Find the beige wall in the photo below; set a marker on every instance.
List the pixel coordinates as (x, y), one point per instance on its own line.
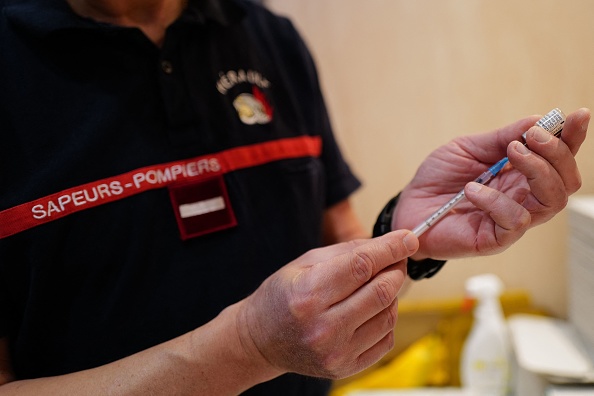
(404, 76)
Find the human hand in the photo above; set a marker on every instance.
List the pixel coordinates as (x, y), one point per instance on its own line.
(331, 312)
(533, 187)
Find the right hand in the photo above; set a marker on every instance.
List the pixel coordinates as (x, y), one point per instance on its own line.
(530, 191)
(331, 312)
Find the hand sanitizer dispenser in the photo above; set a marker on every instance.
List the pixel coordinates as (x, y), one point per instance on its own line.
(485, 363)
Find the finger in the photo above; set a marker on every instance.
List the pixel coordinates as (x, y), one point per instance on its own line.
(376, 352)
(328, 252)
(544, 156)
(491, 146)
(575, 129)
(510, 218)
(340, 276)
(551, 179)
(373, 340)
(376, 328)
(369, 300)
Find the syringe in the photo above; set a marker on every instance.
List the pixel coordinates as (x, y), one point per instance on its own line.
(552, 122)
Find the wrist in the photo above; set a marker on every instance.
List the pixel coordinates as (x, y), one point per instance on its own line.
(416, 269)
(233, 364)
(247, 350)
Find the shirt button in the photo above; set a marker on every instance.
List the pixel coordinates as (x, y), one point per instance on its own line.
(166, 66)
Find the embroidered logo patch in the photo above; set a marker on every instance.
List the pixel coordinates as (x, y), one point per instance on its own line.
(252, 107)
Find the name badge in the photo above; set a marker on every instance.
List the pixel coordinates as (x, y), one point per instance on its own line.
(202, 207)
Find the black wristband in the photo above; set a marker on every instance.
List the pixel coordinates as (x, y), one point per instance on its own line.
(426, 268)
(416, 270)
(383, 225)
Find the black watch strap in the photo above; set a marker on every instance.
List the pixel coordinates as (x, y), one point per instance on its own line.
(426, 268)
(416, 270)
(383, 225)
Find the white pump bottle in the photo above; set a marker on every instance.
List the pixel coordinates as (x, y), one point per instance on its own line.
(485, 361)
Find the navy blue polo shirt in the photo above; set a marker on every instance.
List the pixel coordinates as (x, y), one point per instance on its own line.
(99, 127)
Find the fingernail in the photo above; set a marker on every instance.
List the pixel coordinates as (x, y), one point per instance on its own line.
(542, 136)
(411, 242)
(584, 125)
(474, 187)
(520, 148)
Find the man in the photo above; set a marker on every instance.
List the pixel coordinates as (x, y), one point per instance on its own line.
(163, 161)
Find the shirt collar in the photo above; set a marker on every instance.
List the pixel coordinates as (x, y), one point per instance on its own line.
(224, 12)
(44, 17)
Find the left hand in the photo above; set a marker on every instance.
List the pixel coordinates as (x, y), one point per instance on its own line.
(329, 313)
(533, 187)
